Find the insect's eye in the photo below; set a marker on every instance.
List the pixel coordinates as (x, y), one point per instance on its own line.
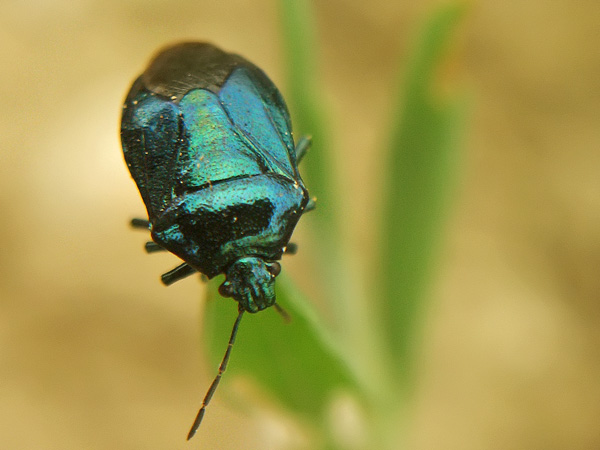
(225, 289)
(274, 268)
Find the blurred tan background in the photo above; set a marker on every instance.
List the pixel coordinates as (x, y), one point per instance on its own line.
(96, 354)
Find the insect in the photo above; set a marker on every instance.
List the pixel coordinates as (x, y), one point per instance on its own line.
(208, 140)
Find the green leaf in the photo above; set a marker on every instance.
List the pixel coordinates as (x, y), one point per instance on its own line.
(420, 181)
(305, 99)
(295, 361)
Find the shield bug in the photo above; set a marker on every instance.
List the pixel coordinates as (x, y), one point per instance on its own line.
(208, 140)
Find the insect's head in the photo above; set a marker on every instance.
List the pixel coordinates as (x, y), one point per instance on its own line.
(251, 282)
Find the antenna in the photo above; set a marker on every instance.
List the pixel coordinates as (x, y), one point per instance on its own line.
(215, 383)
(282, 312)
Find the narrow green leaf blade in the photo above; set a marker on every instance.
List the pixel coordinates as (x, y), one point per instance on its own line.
(295, 361)
(422, 167)
(308, 113)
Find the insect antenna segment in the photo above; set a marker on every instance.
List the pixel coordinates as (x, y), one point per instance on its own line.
(215, 383)
(282, 312)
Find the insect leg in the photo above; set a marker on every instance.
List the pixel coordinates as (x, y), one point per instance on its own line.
(302, 147)
(215, 383)
(140, 223)
(291, 248)
(178, 273)
(152, 247)
(312, 204)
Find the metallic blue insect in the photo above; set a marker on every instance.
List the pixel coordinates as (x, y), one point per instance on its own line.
(208, 140)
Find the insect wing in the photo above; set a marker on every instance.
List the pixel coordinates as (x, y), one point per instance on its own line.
(215, 151)
(256, 108)
(151, 138)
(173, 149)
(198, 116)
(183, 67)
(251, 100)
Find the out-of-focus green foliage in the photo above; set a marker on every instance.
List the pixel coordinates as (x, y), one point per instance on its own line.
(301, 364)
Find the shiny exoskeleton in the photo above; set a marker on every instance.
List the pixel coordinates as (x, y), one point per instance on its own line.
(208, 140)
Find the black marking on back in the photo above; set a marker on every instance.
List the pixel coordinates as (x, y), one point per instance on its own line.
(191, 65)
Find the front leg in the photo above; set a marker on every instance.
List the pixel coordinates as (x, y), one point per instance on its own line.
(302, 147)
